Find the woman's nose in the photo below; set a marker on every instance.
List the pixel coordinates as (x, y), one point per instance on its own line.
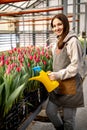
(56, 28)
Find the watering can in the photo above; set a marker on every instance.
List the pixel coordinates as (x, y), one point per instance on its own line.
(50, 85)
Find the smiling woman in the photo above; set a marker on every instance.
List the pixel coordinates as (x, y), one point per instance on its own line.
(30, 32)
(60, 27)
(57, 27)
(66, 66)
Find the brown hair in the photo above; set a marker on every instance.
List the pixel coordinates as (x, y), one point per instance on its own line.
(65, 22)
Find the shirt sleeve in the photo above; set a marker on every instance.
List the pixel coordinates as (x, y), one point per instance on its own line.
(73, 53)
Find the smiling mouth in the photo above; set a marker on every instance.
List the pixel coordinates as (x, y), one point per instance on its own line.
(58, 31)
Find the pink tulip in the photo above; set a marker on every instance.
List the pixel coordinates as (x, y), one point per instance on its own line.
(8, 71)
(37, 60)
(42, 53)
(2, 63)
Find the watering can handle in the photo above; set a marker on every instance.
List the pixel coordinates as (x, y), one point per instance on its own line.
(48, 72)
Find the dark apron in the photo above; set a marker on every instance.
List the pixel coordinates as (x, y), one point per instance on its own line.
(61, 61)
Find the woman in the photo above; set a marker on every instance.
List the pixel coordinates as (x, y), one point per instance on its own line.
(67, 57)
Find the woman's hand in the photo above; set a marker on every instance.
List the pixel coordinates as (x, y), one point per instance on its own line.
(51, 76)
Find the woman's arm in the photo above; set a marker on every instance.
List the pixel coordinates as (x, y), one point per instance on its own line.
(73, 51)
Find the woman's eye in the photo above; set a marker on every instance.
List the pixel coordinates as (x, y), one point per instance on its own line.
(59, 24)
(54, 26)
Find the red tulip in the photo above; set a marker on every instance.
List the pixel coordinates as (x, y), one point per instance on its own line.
(44, 62)
(15, 49)
(28, 64)
(30, 57)
(18, 69)
(7, 62)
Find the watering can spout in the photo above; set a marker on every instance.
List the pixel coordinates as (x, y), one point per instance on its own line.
(43, 77)
(35, 78)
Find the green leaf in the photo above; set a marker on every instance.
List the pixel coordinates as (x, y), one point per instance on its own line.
(8, 80)
(12, 98)
(23, 79)
(15, 83)
(1, 88)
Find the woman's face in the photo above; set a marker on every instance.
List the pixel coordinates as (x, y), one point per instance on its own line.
(57, 27)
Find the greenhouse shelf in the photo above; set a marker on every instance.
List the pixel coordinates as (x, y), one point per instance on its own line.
(30, 118)
(24, 111)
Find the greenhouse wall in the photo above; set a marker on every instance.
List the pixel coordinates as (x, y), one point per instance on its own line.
(34, 28)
